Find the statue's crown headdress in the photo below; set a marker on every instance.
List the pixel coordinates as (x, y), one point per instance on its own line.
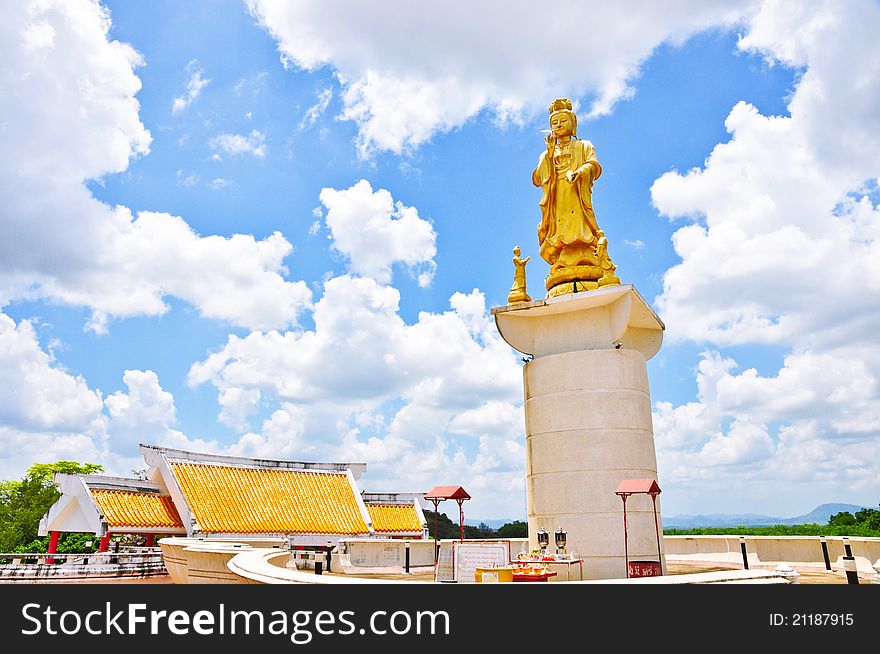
(560, 104)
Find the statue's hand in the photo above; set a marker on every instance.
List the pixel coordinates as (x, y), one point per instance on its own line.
(550, 142)
(572, 175)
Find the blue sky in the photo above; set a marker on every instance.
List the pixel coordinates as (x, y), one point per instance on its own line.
(242, 227)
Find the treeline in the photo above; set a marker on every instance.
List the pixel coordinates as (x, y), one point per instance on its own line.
(449, 529)
(863, 523)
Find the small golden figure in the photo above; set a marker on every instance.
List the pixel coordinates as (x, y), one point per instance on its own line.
(518, 290)
(608, 277)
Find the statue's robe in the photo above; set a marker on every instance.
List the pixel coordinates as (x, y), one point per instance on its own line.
(567, 216)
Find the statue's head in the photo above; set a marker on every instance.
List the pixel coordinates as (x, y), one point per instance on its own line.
(517, 251)
(562, 107)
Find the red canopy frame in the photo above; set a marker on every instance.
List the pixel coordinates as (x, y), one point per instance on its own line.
(629, 487)
(439, 494)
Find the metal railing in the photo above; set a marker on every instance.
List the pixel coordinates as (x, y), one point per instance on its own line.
(126, 556)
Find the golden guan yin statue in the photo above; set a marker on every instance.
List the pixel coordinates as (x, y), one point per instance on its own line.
(568, 235)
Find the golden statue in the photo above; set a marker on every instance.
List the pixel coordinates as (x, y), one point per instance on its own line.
(518, 290)
(568, 232)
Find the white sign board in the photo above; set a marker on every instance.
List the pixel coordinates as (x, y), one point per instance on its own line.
(467, 557)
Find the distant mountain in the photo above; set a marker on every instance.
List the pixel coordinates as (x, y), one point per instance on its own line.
(819, 516)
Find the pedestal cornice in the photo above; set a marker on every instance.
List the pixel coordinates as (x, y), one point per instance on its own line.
(607, 318)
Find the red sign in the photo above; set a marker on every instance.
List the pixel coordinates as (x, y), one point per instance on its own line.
(645, 569)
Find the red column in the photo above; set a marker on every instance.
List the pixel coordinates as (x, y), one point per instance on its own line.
(53, 545)
(461, 517)
(150, 540)
(105, 543)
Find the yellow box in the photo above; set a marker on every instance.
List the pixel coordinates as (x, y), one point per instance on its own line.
(493, 575)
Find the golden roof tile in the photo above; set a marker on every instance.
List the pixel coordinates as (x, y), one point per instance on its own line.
(230, 499)
(135, 509)
(394, 517)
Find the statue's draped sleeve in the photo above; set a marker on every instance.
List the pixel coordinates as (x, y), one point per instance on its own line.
(589, 173)
(542, 176)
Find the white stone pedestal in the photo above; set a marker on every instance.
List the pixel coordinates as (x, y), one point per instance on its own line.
(588, 422)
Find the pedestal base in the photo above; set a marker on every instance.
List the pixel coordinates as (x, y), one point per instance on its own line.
(588, 423)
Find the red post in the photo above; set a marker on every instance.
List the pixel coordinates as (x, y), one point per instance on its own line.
(105, 543)
(436, 531)
(53, 545)
(150, 540)
(625, 546)
(461, 517)
(657, 529)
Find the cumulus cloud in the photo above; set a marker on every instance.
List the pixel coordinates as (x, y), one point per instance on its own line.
(45, 412)
(193, 87)
(780, 248)
(407, 75)
(146, 413)
(48, 414)
(143, 415)
(70, 115)
(803, 436)
(366, 386)
(40, 396)
(374, 232)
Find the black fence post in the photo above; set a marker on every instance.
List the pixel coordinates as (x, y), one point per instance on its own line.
(849, 564)
(742, 547)
(329, 554)
(406, 558)
(824, 542)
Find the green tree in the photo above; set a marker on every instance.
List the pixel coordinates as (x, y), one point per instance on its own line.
(515, 529)
(23, 503)
(479, 532)
(842, 519)
(869, 518)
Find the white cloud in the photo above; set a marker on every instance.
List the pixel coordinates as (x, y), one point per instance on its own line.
(366, 386)
(146, 414)
(281, 436)
(68, 93)
(46, 413)
(782, 249)
(780, 206)
(254, 143)
(219, 183)
(316, 110)
(804, 435)
(187, 181)
(409, 74)
(70, 113)
(374, 232)
(193, 87)
(39, 395)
